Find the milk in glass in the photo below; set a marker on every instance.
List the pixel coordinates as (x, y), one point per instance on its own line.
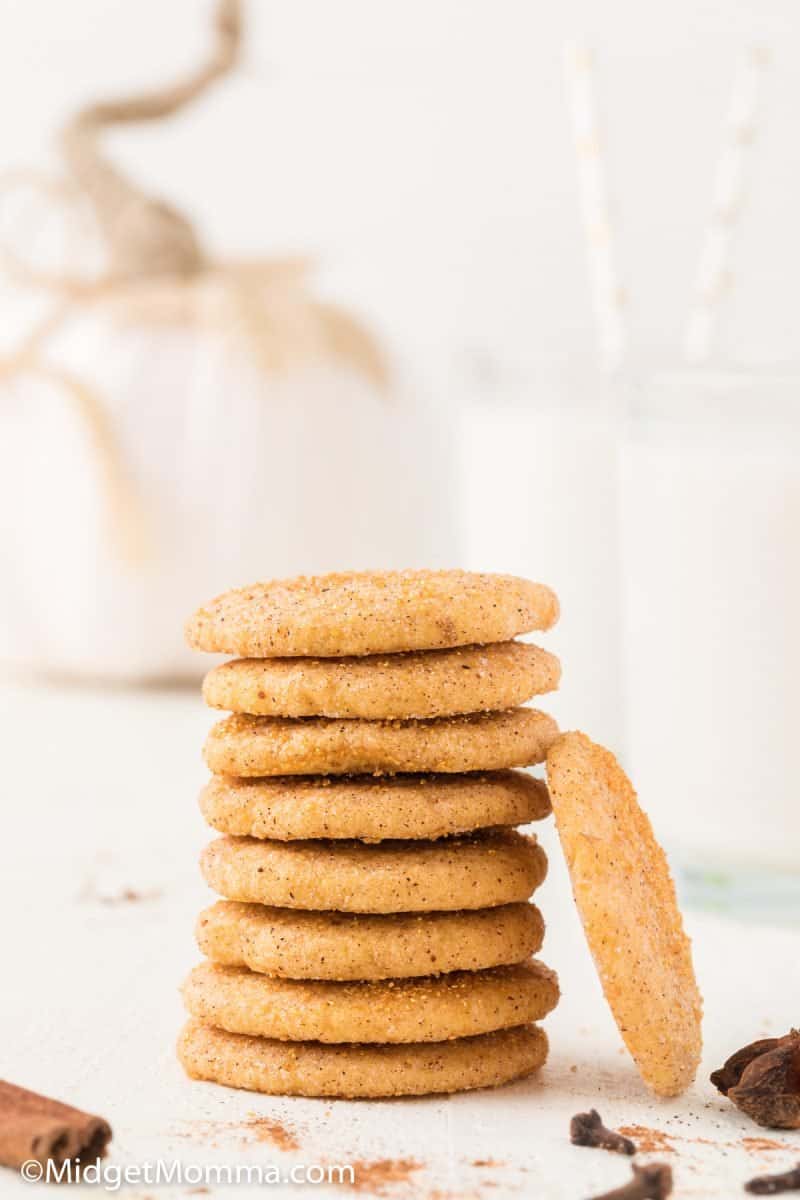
(538, 499)
(710, 555)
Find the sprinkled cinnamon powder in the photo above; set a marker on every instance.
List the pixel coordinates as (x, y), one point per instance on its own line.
(379, 1177)
(758, 1144)
(278, 1134)
(649, 1141)
(438, 1194)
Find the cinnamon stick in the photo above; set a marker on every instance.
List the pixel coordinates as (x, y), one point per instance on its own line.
(36, 1127)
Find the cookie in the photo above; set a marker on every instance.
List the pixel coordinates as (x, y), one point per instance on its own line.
(427, 1009)
(626, 898)
(329, 945)
(253, 746)
(387, 877)
(286, 808)
(360, 1071)
(428, 683)
(370, 612)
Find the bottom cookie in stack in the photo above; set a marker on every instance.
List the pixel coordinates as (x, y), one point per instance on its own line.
(357, 1071)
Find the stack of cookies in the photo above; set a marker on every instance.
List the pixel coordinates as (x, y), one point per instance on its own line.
(375, 933)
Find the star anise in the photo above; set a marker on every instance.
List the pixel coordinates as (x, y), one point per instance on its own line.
(763, 1080)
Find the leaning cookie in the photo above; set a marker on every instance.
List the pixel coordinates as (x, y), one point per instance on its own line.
(370, 612)
(387, 877)
(252, 746)
(427, 1009)
(428, 683)
(293, 944)
(626, 898)
(287, 808)
(360, 1071)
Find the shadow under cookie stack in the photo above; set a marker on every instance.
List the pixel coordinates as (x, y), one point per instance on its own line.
(375, 933)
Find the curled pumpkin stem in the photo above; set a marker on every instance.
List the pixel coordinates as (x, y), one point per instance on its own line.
(144, 235)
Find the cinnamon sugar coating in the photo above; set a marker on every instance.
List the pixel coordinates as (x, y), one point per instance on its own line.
(426, 1009)
(293, 944)
(370, 612)
(627, 902)
(288, 808)
(425, 683)
(388, 877)
(315, 1069)
(252, 746)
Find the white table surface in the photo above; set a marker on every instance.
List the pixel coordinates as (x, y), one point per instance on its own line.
(100, 798)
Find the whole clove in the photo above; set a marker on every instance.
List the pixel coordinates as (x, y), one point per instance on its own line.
(771, 1185)
(763, 1080)
(587, 1129)
(653, 1182)
(36, 1127)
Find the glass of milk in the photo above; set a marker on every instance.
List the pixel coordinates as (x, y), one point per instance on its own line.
(710, 565)
(538, 498)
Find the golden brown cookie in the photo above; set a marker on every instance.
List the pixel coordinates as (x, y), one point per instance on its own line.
(428, 683)
(370, 612)
(329, 945)
(255, 746)
(355, 1071)
(287, 808)
(626, 898)
(387, 877)
(428, 1009)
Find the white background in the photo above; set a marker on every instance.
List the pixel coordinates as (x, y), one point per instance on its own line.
(423, 150)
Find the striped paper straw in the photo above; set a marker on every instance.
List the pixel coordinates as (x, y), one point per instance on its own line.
(607, 293)
(714, 278)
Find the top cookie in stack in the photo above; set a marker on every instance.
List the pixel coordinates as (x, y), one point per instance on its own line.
(413, 676)
(371, 612)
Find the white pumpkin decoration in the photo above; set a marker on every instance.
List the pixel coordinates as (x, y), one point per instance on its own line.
(179, 426)
(240, 475)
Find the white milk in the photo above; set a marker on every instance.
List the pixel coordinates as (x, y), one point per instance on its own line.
(710, 529)
(538, 499)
